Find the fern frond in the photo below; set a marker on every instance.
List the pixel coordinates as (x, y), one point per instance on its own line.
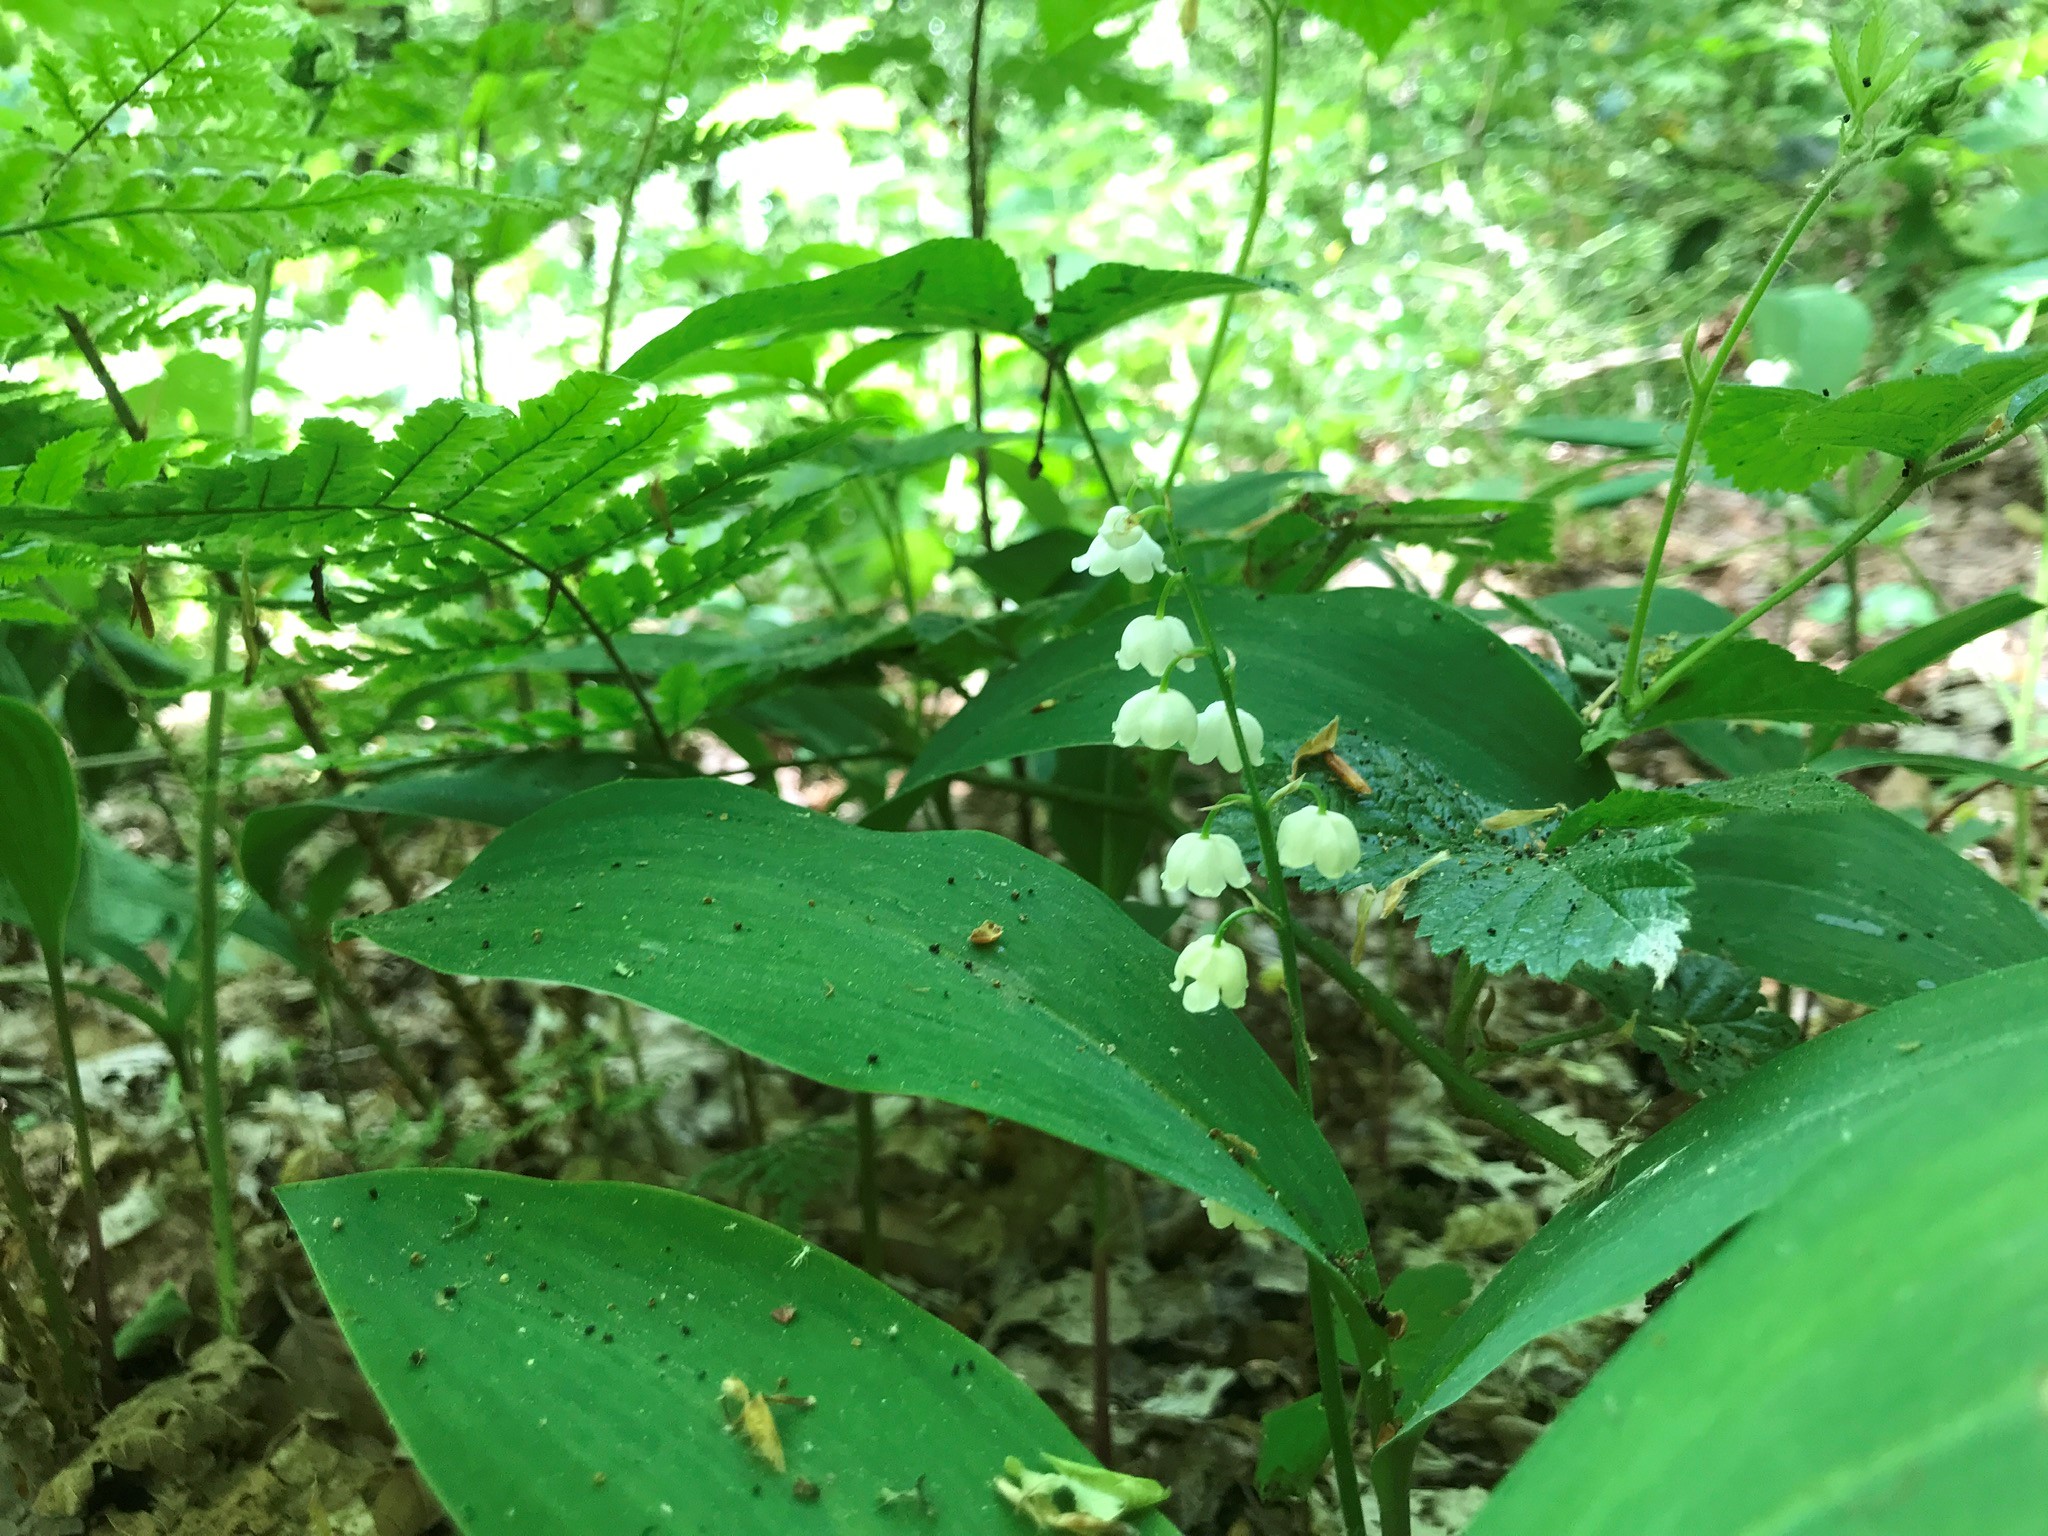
(459, 495)
(89, 238)
(206, 78)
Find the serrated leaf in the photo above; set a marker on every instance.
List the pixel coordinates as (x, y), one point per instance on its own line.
(1111, 293)
(708, 908)
(1752, 679)
(1707, 1022)
(1786, 439)
(955, 284)
(1501, 896)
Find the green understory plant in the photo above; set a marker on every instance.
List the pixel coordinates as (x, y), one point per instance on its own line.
(556, 582)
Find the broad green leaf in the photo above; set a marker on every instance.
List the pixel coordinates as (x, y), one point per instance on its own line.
(555, 1355)
(39, 854)
(952, 284)
(1104, 845)
(1221, 506)
(494, 791)
(1111, 292)
(1030, 568)
(1818, 329)
(1865, 1356)
(1914, 418)
(1396, 666)
(1707, 1022)
(1752, 679)
(1731, 1156)
(847, 956)
(1856, 903)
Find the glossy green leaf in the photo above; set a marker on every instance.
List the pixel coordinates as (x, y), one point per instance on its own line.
(554, 1357)
(1733, 1155)
(39, 854)
(847, 956)
(493, 791)
(1866, 1356)
(1397, 666)
(1752, 679)
(1856, 903)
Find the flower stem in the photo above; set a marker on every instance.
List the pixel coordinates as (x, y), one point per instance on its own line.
(1703, 386)
(1337, 1410)
(1465, 1090)
(213, 1111)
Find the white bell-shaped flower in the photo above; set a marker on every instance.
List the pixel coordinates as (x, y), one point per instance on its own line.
(1157, 645)
(1323, 839)
(1209, 972)
(1121, 527)
(1139, 561)
(1160, 718)
(1204, 864)
(1215, 744)
(1224, 1217)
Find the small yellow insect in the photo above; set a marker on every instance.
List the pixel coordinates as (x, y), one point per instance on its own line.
(748, 1412)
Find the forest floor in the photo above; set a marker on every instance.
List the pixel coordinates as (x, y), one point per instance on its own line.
(980, 1221)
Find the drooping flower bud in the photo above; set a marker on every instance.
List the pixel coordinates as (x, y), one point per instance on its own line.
(1203, 865)
(1324, 840)
(1160, 718)
(1209, 972)
(1156, 644)
(1215, 744)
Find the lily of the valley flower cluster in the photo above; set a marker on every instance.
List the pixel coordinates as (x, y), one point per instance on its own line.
(1164, 719)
